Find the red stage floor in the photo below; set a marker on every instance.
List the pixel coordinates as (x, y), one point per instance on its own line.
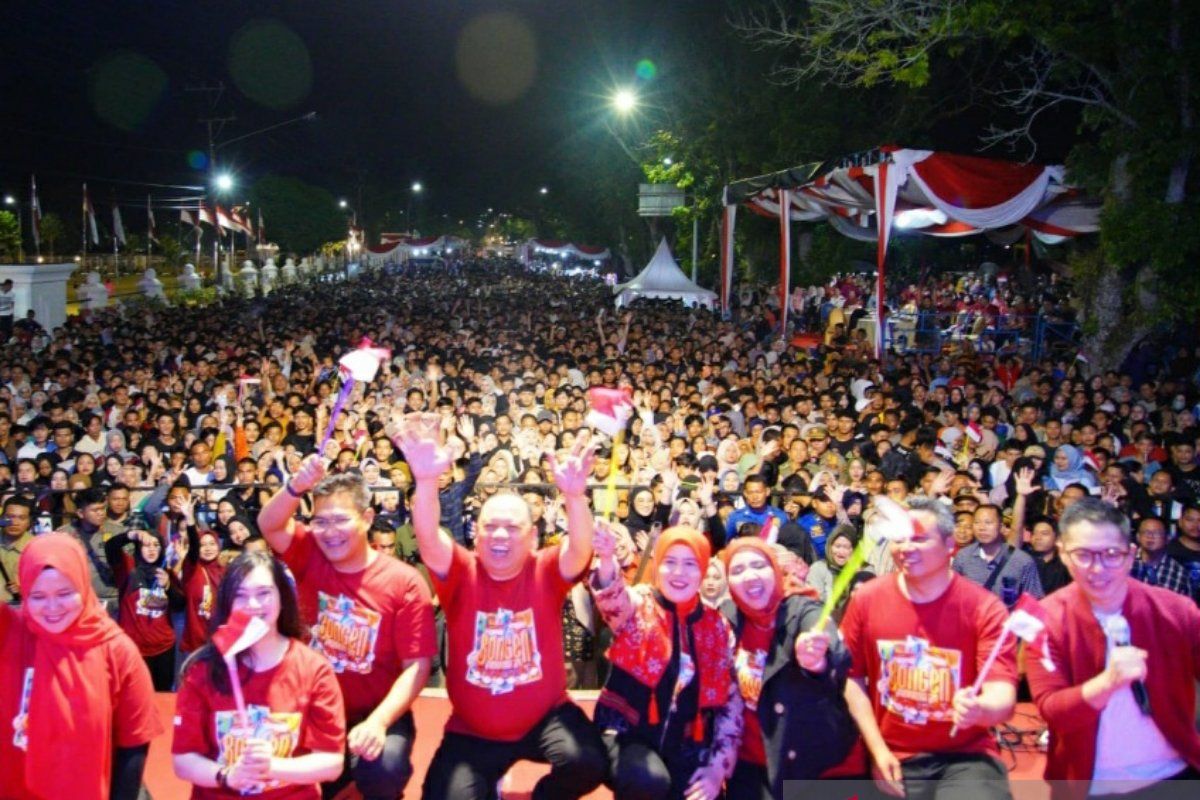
(432, 711)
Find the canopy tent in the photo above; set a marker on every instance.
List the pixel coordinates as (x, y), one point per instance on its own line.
(394, 248)
(562, 250)
(935, 194)
(663, 279)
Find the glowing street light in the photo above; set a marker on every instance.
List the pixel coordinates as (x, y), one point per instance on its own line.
(9, 200)
(543, 190)
(224, 182)
(342, 204)
(417, 187)
(625, 101)
(667, 161)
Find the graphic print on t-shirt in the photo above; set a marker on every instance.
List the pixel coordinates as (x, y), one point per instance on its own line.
(279, 729)
(205, 607)
(152, 603)
(21, 720)
(505, 653)
(917, 681)
(345, 633)
(749, 665)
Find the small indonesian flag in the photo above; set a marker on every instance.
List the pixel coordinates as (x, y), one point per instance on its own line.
(1090, 462)
(891, 522)
(244, 383)
(1028, 622)
(610, 409)
(769, 532)
(363, 363)
(974, 432)
(239, 633)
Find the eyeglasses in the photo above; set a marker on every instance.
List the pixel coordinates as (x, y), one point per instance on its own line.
(1111, 558)
(325, 523)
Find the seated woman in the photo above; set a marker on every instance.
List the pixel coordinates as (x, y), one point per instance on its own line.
(297, 733)
(669, 713)
(65, 666)
(790, 678)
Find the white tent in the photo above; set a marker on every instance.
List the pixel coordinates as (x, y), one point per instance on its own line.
(663, 279)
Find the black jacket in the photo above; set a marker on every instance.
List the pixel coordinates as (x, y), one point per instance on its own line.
(805, 723)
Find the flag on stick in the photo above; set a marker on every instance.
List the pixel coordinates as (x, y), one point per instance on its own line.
(151, 231)
(118, 228)
(89, 218)
(609, 409)
(35, 214)
(240, 632)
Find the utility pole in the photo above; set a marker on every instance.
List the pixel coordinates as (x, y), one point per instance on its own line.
(214, 125)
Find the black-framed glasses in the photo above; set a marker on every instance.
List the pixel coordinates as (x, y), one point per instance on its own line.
(1110, 558)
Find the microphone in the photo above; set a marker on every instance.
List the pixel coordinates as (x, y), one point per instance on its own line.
(1116, 628)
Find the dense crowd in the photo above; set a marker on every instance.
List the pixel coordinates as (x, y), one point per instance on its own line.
(180, 448)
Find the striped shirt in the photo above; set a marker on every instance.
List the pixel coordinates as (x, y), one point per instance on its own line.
(1167, 573)
(1019, 569)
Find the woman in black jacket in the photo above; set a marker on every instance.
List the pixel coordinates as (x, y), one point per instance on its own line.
(790, 677)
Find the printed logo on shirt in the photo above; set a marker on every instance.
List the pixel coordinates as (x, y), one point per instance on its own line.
(280, 729)
(151, 603)
(505, 653)
(917, 681)
(205, 608)
(345, 633)
(749, 665)
(21, 720)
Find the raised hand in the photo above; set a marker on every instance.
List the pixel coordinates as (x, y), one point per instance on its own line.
(1024, 481)
(571, 475)
(311, 472)
(418, 439)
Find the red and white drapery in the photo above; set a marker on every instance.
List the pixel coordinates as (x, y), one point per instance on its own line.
(934, 194)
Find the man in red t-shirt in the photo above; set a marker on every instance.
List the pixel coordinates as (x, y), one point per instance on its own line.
(505, 671)
(371, 616)
(918, 638)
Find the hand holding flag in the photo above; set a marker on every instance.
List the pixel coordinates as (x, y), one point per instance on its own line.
(239, 633)
(361, 364)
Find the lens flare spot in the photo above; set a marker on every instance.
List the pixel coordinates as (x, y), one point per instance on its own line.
(496, 57)
(124, 89)
(197, 160)
(270, 64)
(646, 70)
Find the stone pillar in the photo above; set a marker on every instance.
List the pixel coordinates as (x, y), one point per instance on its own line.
(42, 287)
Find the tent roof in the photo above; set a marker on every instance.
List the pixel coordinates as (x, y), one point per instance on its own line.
(662, 277)
(938, 194)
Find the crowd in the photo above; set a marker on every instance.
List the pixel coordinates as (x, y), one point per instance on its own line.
(464, 525)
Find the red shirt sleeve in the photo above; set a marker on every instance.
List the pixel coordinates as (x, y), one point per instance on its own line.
(192, 717)
(135, 714)
(447, 587)
(851, 630)
(413, 630)
(549, 573)
(325, 722)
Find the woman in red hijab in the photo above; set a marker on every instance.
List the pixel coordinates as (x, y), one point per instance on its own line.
(77, 708)
(790, 678)
(202, 573)
(669, 713)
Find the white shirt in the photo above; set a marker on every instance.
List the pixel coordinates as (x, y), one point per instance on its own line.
(1131, 752)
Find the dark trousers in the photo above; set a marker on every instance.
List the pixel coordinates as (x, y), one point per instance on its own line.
(637, 771)
(955, 776)
(162, 670)
(468, 767)
(748, 782)
(386, 776)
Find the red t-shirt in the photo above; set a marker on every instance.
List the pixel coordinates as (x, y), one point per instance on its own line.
(200, 582)
(135, 717)
(366, 623)
(505, 668)
(749, 661)
(144, 614)
(296, 706)
(915, 656)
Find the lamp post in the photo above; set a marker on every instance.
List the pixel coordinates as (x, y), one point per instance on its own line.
(10, 200)
(222, 185)
(416, 190)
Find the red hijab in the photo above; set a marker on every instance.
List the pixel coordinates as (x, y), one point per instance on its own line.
(71, 705)
(765, 617)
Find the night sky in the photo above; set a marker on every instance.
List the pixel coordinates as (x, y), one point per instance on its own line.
(98, 91)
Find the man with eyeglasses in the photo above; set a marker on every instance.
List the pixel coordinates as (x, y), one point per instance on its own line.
(370, 615)
(1120, 699)
(1152, 565)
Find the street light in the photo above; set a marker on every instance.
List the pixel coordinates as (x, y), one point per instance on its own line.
(543, 190)
(9, 200)
(417, 188)
(342, 203)
(224, 182)
(625, 100)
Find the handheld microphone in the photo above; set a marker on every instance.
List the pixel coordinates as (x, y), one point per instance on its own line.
(1116, 628)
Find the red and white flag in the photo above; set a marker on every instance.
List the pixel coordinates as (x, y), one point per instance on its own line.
(206, 214)
(1028, 623)
(224, 220)
(237, 215)
(262, 232)
(151, 231)
(89, 217)
(974, 432)
(118, 228)
(1089, 461)
(35, 213)
(362, 364)
(238, 634)
(610, 409)
(769, 532)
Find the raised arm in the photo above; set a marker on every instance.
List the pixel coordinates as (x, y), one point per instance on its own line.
(276, 518)
(571, 478)
(418, 438)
